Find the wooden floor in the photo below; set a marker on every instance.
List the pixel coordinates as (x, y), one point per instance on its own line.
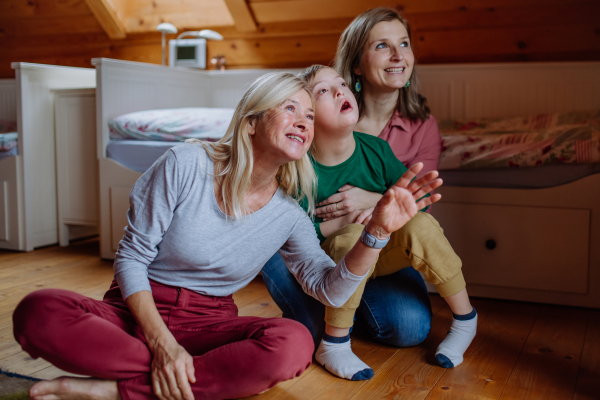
(522, 351)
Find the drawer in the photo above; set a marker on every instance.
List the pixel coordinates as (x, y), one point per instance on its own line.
(519, 247)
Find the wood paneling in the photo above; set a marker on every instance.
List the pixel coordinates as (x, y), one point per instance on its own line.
(145, 15)
(298, 10)
(106, 15)
(242, 16)
(298, 33)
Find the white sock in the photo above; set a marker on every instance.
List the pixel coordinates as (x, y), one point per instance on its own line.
(449, 353)
(339, 359)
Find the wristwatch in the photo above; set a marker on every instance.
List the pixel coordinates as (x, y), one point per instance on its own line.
(371, 241)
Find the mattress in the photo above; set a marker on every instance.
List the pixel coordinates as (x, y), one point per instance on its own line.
(140, 155)
(136, 154)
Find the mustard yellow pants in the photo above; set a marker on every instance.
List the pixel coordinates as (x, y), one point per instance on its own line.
(420, 243)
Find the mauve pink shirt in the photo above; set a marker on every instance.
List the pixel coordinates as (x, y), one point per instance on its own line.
(414, 141)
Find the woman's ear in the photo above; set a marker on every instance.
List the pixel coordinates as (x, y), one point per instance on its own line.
(357, 70)
(252, 121)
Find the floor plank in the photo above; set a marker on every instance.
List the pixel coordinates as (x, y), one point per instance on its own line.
(410, 373)
(493, 354)
(522, 351)
(547, 367)
(588, 380)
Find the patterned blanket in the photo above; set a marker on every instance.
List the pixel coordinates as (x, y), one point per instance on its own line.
(561, 138)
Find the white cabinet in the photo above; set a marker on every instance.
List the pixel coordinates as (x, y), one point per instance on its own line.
(76, 163)
(539, 245)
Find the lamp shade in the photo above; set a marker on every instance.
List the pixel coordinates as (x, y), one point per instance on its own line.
(203, 34)
(166, 27)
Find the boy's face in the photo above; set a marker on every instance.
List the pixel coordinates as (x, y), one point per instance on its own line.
(335, 105)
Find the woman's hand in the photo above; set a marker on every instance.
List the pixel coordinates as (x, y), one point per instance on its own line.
(421, 186)
(348, 199)
(398, 205)
(172, 367)
(172, 370)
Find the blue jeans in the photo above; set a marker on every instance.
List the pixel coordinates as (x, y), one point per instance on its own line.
(396, 307)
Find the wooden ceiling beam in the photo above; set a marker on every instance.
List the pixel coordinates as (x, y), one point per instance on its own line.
(240, 11)
(106, 15)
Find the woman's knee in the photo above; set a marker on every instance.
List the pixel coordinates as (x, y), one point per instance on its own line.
(292, 345)
(36, 312)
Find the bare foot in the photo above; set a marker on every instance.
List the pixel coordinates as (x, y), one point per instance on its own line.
(75, 388)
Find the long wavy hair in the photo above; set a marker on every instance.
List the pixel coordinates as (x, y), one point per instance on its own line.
(349, 53)
(233, 156)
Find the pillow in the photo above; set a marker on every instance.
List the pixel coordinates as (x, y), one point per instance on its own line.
(8, 141)
(172, 125)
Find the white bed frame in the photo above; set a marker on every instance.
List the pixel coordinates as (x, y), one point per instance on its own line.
(124, 87)
(9, 174)
(547, 240)
(28, 206)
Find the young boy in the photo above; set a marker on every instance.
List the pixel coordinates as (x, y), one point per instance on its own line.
(341, 156)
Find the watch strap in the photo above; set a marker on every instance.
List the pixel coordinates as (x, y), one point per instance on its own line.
(371, 241)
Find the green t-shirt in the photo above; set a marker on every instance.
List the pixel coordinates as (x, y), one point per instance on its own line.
(372, 167)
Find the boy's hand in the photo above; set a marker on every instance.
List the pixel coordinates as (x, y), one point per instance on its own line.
(364, 217)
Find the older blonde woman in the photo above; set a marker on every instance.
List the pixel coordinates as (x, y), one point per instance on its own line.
(202, 222)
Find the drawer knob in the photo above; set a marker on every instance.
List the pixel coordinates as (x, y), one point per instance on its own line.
(490, 244)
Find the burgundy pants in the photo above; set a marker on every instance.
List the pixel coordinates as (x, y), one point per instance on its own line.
(233, 356)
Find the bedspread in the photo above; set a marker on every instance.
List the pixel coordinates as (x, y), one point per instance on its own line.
(547, 139)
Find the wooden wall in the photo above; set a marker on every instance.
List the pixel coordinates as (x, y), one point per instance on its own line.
(296, 33)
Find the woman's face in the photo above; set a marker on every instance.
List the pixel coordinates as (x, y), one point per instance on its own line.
(284, 133)
(387, 61)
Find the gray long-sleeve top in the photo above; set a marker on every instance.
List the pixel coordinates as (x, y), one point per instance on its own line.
(177, 235)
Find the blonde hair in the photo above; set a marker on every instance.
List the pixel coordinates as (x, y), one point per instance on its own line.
(349, 53)
(233, 156)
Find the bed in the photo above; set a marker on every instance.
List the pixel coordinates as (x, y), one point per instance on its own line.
(524, 233)
(529, 233)
(28, 216)
(8, 152)
(126, 87)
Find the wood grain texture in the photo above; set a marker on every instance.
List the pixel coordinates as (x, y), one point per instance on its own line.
(242, 16)
(66, 32)
(522, 351)
(548, 365)
(588, 379)
(298, 10)
(490, 359)
(106, 15)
